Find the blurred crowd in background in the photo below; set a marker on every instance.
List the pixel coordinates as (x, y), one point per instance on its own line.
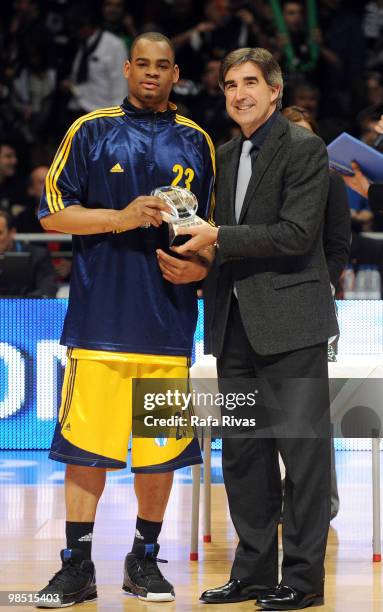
(60, 59)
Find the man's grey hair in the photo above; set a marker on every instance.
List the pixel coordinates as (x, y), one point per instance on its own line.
(267, 64)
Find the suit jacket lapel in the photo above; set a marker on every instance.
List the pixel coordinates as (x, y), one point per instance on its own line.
(265, 156)
(230, 179)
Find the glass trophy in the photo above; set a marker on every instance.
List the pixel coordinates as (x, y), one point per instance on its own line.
(183, 207)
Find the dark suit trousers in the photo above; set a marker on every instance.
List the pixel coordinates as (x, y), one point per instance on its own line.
(253, 481)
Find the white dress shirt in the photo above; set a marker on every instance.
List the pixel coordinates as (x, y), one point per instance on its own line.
(106, 84)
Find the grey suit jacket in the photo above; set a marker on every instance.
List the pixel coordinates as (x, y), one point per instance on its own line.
(274, 255)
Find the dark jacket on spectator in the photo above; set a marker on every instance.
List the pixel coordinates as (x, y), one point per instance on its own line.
(337, 229)
(43, 281)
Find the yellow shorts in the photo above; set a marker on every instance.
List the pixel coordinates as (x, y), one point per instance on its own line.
(95, 418)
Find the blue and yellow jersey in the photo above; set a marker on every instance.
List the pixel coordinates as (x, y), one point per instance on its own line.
(118, 299)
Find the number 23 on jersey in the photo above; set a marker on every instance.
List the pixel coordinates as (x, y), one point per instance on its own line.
(185, 174)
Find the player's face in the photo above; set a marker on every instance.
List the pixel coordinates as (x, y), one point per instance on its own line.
(249, 99)
(151, 74)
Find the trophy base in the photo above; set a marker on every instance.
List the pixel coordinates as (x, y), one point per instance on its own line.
(179, 240)
(176, 239)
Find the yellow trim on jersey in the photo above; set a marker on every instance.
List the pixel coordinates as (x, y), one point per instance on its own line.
(186, 121)
(142, 358)
(54, 196)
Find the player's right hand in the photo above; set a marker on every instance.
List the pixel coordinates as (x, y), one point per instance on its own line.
(141, 212)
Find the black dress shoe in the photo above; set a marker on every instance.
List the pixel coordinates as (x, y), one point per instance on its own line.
(232, 591)
(286, 598)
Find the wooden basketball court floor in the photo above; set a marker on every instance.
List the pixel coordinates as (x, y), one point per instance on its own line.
(32, 528)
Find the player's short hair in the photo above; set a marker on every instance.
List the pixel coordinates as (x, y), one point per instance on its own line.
(267, 64)
(153, 37)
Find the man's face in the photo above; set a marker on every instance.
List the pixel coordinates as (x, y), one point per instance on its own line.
(210, 77)
(374, 92)
(293, 15)
(113, 10)
(8, 161)
(6, 236)
(217, 12)
(308, 99)
(37, 182)
(151, 74)
(249, 99)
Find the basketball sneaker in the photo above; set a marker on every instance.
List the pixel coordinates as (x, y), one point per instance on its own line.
(142, 576)
(74, 583)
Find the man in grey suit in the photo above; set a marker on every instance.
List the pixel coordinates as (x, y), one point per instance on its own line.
(273, 314)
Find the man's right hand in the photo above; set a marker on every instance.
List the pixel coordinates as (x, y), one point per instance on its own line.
(141, 212)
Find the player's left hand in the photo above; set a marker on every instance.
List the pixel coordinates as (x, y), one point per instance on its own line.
(203, 236)
(181, 271)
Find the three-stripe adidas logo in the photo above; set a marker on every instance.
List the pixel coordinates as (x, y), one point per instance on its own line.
(116, 168)
(67, 427)
(86, 538)
(138, 535)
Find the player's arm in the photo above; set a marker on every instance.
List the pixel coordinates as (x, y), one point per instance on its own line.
(77, 219)
(65, 190)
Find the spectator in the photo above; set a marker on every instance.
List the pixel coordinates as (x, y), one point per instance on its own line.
(32, 92)
(42, 281)
(57, 23)
(336, 234)
(26, 27)
(117, 21)
(96, 76)
(12, 192)
(293, 48)
(219, 32)
(360, 191)
(343, 38)
(308, 96)
(27, 222)
(374, 89)
(208, 107)
(367, 121)
(361, 214)
(373, 23)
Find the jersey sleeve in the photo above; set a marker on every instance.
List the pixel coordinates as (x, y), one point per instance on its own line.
(66, 180)
(206, 200)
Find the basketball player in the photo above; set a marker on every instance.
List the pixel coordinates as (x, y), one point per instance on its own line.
(125, 317)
